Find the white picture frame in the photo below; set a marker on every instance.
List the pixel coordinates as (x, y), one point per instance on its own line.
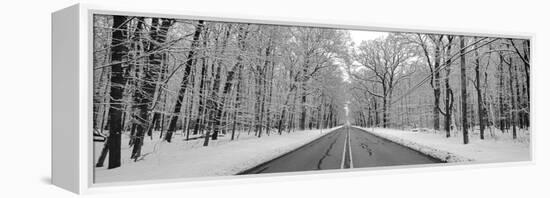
(72, 105)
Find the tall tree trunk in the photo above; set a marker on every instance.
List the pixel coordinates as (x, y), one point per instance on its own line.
(501, 93)
(463, 91)
(436, 84)
(236, 70)
(303, 113)
(388, 106)
(149, 86)
(118, 51)
(385, 108)
(518, 98)
(513, 108)
(526, 67)
(136, 49)
(181, 93)
(449, 97)
(480, 112)
(269, 97)
(376, 116)
(199, 120)
(284, 111)
(236, 106)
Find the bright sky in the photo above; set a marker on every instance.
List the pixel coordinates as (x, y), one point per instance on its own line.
(359, 35)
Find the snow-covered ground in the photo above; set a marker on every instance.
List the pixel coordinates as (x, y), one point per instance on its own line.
(184, 159)
(496, 147)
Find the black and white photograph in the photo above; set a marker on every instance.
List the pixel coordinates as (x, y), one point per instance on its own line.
(275, 99)
(187, 98)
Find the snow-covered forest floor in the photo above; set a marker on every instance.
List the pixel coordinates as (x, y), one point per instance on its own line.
(496, 147)
(184, 159)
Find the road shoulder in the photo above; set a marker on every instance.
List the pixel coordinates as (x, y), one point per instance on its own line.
(442, 155)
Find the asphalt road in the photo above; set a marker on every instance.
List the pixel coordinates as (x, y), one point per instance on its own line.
(346, 147)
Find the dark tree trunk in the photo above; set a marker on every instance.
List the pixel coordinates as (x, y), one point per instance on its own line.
(500, 93)
(149, 86)
(526, 66)
(118, 51)
(480, 112)
(262, 85)
(236, 106)
(463, 91)
(449, 97)
(437, 93)
(103, 155)
(303, 113)
(376, 116)
(518, 98)
(181, 93)
(284, 111)
(137, 73)
(236, 70)
(199, 121)
(436, 85)
(385, 110)
(269, 98)
(513, 108)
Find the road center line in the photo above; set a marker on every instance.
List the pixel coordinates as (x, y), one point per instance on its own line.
(349, 148)
(344, 153)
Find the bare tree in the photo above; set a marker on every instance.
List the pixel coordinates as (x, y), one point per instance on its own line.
(385, 62)
(118, 52)
(463, 91)
(188, 64)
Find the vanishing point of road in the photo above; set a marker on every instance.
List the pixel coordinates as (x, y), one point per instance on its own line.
(347, 147)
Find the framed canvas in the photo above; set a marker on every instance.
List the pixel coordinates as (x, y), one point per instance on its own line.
(147, 97)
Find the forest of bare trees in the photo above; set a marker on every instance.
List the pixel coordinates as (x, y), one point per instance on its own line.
(410, 80)
(168, 77)
(179, 80)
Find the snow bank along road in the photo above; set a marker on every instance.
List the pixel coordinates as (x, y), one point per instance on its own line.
(185, 159)
(346, 147)
(497, 146)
